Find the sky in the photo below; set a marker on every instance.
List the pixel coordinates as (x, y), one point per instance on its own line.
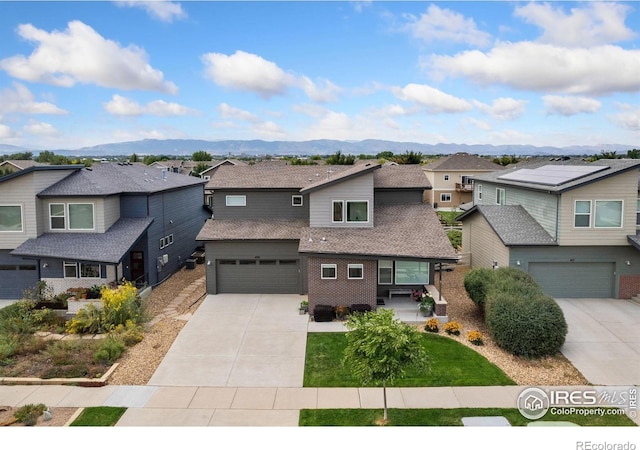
(76, 74)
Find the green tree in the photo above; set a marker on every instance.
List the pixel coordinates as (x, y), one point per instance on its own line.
(341, 160)
(20, 156)
(409, 157)
(385, 155)
(505, 160)
(51, 158)
(633, 154)
(199, 168)
(201, 156)
(134, 158)
(381, 348)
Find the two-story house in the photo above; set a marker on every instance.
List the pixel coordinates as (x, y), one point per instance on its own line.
(342, 235)
(451, 178)
(570, 224)
(73, 226)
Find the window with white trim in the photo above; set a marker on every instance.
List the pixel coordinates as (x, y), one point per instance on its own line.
(500, 196)
(445, 177)
(479, 191)
(11, 218)
(57, 216)
(608, 214)
(357, 211)
(412, 272)
(296, 200)
(445, 198)
(80, 216)
(81, 270)
(385, 271)
(236, 200)
(337, 209)
(329, 271)
(582, 214)
(638, 212)
(355, 271)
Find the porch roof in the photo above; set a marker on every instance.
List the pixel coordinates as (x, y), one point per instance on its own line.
(109, 247)
(400, 231)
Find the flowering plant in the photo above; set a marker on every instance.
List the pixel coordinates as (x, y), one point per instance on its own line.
(432, 325)
(475, 337)
(453, 328)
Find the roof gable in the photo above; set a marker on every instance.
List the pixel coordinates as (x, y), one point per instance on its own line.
(462, 161)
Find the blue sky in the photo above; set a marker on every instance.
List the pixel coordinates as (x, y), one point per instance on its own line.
(75, 74)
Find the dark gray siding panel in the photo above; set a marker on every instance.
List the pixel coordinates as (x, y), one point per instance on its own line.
(133, 206)
(280, 268)
(16, 275)
(388, 197)
(179, 214)
(261, 205)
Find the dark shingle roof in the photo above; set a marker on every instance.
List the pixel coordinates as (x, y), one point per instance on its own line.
(512, 224)
(462, 161)
(108, 247)
(300, 177)
(613, 167)
(351, 172)
(111, 178)
(259, 229)
(407, 230)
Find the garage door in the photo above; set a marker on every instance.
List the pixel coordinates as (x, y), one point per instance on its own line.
(14, 279)
(578, 279)
(264, 276)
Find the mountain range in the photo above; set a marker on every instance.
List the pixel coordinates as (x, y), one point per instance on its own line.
(185, 147)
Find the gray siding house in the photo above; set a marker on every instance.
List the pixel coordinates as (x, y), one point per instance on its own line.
(571, 224)
(73, 226)
(340, 234)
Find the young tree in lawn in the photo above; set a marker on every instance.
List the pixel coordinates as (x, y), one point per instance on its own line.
(381, 348)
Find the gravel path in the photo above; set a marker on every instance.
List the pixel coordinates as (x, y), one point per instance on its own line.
(141, 361)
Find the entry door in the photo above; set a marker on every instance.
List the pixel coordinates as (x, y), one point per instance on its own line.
(137, 266)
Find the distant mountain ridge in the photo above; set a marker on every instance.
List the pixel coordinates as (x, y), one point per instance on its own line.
(184, 147)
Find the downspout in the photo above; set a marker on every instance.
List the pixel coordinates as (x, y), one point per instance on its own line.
(557, 216)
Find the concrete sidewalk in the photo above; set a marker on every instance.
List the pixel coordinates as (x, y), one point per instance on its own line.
(246, 406)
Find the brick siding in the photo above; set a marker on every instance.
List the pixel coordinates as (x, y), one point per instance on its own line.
(629, 286)
(341, 291)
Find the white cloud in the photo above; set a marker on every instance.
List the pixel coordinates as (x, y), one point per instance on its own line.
(247, 72)
(327, 93)
(481, 124)
(439, 24)
(503, 108)
(244, 71)
(231, 112)
(569, 106)
(81, 55)
(333, 125)
(40, 128)
(262, 128)
(122, 106)
(543, 67)
(310, 110)
(7, 133)
(595, 24)
(434, 100)
(166, 11)
(628, 118)
(21, 100)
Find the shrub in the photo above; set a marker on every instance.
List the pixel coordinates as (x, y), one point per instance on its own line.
(63, 352)
(130, 333)
(17, 319)
(452, 327)
(8, 348)
(110, 349)
(88, 320)
(526, 324)
(475, 337)
(28, 414)
(477, 283)
(455, 237)
(432, 325)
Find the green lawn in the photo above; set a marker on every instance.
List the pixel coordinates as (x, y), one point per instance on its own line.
(99, 416)
(450, 364)
(441, 417)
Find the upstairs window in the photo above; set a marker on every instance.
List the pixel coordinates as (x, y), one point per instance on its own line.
(638, 212)
(445, 177)
(357, 211)
(338, 206)
(445, 198)
(80, 216)
(582, 214)
(296, 200)
(11, 218)
(355, 271)
(236, 200)
(479, 191)
(608, 214)
(500, 197)
(57, 216)
(329, 271)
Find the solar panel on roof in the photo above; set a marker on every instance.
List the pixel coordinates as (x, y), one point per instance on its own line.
(551, 175)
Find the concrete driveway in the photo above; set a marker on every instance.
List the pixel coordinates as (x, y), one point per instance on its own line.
(604, 339)
(242, 340)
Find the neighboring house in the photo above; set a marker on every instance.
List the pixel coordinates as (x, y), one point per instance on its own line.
(570, 224)
(451, 178)
(73, 226)
(13, 165)
(341, 234)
